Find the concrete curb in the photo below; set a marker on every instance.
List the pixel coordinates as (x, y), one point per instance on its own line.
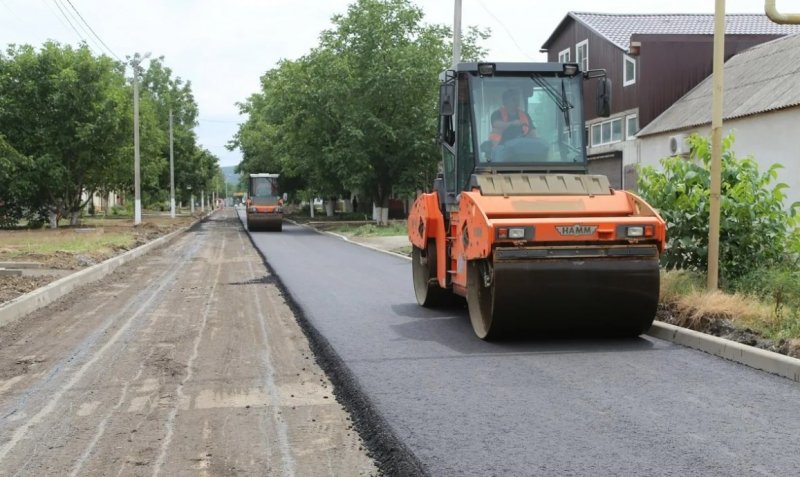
(347, 239)
(757, 358)
(41, 297)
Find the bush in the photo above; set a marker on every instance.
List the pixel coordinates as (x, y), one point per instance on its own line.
(754, 228)
(125, 209)
(778, 287)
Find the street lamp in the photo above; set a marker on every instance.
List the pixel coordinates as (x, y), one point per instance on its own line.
(136, 65)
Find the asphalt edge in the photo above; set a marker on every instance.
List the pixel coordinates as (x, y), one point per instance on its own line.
(390, 454)
(757, 358)
(43, 296)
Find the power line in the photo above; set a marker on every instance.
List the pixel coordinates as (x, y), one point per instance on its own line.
(59, 18)
(9, 9)
(68, 21)
(93, 32)
(508, 32)
(71, 18)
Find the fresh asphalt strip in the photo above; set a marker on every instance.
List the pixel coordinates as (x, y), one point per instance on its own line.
(757, 358)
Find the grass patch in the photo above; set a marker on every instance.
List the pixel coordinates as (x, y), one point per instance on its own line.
(373, 230)
(404, 250)
(756, 308)
(68, 241)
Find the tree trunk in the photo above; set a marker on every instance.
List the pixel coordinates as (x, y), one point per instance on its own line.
(330, 207)
(380, 213)
(53, 218)
(74, 216)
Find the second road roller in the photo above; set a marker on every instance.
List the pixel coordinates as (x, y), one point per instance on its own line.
(516, 224)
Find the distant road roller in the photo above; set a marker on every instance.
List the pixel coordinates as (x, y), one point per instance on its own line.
(264, 203)
(517, 225)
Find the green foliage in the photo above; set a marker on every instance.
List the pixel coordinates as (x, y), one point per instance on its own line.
(123, 210)
(17, 189)
(60, 107)
(358, 112)
(754, 225)
(779, 287)
(373, 230)
(67, 118)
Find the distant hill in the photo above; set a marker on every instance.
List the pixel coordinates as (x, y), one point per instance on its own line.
(230, 176)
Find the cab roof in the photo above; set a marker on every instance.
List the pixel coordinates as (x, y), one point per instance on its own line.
(513, 67)
(265, 175)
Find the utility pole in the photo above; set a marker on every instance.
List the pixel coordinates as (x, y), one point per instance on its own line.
(457, 34)
(171, 170)
(716, 146)
(137, 186)
(716, 128)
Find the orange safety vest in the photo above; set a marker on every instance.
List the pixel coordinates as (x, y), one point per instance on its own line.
(497, 134)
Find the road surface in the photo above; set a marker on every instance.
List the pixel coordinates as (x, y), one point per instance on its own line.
(184, 362)
(464, 407)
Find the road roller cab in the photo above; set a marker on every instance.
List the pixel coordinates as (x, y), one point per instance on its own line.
(516, 225)
(264, 203)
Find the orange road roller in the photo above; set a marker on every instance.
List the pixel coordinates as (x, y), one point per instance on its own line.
(517, 225)
(264, 204)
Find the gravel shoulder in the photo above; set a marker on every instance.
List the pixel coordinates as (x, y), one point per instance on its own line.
(184, 362)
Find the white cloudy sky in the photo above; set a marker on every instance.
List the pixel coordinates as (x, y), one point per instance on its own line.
(223, 46)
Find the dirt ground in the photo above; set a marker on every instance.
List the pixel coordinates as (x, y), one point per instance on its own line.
(12, 287)
(14, 248)
(184, 362)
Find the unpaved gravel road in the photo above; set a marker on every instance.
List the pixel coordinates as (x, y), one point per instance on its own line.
(184, 362)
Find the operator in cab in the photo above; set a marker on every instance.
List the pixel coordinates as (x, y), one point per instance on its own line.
(510, 121)
(513, 137)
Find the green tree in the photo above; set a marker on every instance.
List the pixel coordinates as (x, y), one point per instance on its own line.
(63, 108)
(166, 93)
(359, 111)
(17, 186)
(755, 225)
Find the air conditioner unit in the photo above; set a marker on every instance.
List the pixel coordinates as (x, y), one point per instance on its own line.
(678, 145)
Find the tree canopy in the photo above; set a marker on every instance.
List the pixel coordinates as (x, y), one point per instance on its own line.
(66, 119)
(358, 112)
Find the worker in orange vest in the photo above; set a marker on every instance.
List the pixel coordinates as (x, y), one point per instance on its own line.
(510, 121)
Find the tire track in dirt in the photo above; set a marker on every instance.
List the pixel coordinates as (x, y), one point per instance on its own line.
(274, 394)
(152, 296)
(170, 424)
(217, 361)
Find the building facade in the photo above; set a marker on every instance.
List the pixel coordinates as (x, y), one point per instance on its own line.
(652, 61)
(761, 108)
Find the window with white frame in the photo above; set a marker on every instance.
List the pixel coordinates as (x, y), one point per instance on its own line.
(628, 70)
(607, 132)
(582, 54)
(563, 56)
(631, 126)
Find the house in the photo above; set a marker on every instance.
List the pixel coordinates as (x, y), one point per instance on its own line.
(652, 60)
(761, 106)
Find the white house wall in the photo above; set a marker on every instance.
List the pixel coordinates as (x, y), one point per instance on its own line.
(770, 138)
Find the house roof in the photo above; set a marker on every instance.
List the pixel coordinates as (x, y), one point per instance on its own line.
(618, 28)
(763, 78)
